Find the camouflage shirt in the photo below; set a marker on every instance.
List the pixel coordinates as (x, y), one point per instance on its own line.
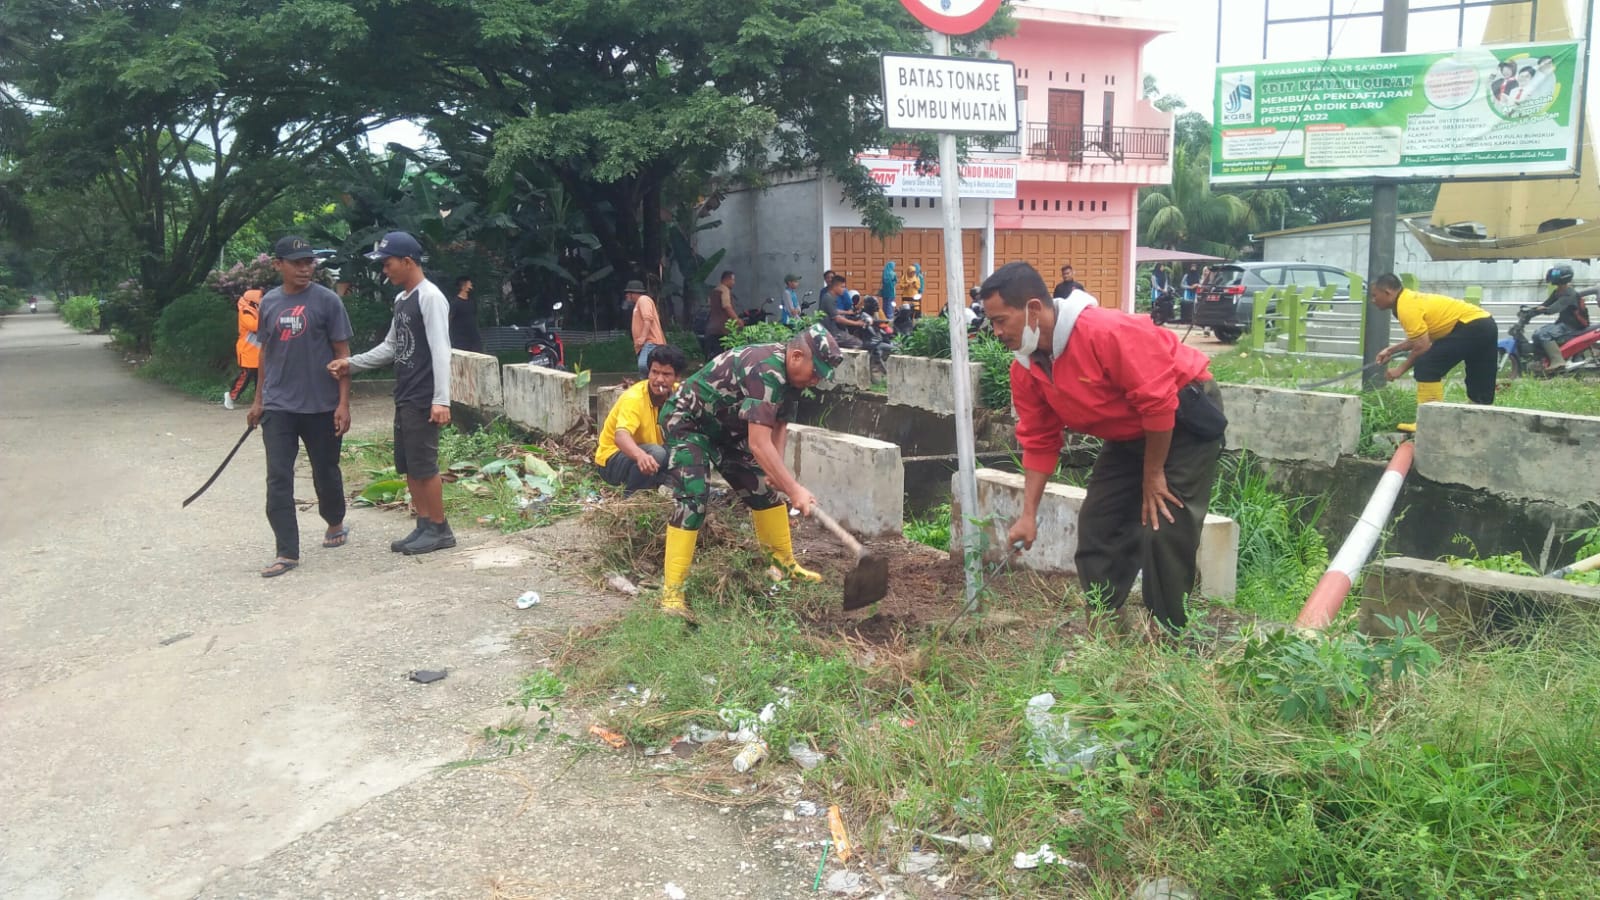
(739, 387)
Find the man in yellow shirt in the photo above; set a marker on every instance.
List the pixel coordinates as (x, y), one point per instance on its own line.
(1440, 332)
(632, 454)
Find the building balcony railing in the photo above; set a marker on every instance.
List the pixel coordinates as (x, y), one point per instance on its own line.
(1080, 144)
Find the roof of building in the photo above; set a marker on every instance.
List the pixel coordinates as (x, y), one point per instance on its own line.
(1329, 226)
(1096, 13)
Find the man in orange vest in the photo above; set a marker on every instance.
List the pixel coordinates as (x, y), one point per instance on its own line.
(246, 348)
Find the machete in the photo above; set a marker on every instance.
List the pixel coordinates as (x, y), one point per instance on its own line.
(227, 459)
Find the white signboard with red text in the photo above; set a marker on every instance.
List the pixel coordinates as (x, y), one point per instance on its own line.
(979, 180)
(952, 16)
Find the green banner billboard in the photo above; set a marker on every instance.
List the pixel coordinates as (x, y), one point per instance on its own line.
(1476, 112)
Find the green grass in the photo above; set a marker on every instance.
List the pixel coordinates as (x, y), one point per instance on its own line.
(932, 530)
(1281, 554)
(1275, 766)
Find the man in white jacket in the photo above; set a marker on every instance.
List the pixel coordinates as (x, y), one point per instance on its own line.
(418, 344)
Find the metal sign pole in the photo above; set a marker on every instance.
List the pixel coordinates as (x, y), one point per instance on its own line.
(955, 292)
(1381, 229)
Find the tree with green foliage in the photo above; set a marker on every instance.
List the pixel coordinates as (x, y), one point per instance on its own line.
(1188, 215)
(191, 117)
(624, 104)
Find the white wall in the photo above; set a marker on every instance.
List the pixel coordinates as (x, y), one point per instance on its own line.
(768, 233)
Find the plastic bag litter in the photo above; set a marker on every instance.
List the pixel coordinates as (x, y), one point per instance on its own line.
(1052, 742)
(1044, 856)
(806, 757)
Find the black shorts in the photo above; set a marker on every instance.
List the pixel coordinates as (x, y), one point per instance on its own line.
(416, 442)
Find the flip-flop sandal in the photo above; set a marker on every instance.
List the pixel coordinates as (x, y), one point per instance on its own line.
(337, 538)
(278, 567)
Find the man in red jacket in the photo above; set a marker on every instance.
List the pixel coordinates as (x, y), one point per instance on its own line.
(1149, 398)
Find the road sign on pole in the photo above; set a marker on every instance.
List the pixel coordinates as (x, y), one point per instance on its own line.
(945, 95)
(952, 16)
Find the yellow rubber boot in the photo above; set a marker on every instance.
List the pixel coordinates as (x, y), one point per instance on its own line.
(680, 555)
(772, 531)
(1427, 392)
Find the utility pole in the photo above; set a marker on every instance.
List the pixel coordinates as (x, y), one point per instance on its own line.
(1385, 213)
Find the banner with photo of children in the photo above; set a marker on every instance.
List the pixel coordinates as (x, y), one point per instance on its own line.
(1478, 112)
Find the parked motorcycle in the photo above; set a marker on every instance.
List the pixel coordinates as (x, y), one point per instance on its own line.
(1521, 355)
(545, 348)
(906, 316)
(1164, 308)
(758, 314)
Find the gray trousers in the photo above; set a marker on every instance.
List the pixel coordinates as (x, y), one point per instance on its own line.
(621, 471)
(1113, 547)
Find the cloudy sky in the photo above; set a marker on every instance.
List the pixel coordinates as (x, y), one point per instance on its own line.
(1176, 59)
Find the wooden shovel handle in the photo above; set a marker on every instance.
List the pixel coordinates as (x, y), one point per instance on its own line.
(838, 530)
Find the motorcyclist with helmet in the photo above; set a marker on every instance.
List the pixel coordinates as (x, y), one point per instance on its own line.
(1566, 304)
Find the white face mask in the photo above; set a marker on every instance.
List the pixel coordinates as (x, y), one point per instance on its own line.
(1030, 341)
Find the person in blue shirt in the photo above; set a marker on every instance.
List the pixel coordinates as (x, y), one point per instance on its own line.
(890, 282)
(789, 311)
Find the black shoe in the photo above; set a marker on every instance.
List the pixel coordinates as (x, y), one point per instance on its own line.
(400, 545)
(433, 537)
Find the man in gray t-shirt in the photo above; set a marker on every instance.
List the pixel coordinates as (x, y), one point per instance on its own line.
(418, 345)
(302, 328)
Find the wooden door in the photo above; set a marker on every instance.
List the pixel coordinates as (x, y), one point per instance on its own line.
(859, 257)
(1096, 257)
(1066, 125)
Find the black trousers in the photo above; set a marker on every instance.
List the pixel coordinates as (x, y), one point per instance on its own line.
(246, 375)
(1113, 547)
(621, 471)
(1474, 343)
(282, 433)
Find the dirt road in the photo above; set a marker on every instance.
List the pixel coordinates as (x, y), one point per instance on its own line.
(173, 725)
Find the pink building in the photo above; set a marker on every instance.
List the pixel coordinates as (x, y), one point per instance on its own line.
(1086, 144)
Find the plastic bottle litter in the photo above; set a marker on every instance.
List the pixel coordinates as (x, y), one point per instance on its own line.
(752, 754)
(621, 585)
(976, 844)
(703, 735)
(1052, 743)
(529, 599)
(806, 757)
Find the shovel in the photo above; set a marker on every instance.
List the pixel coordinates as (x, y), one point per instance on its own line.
(1582, 565)
(868, 582)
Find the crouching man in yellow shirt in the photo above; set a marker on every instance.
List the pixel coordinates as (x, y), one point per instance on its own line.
(1440, 332)
(632, 454)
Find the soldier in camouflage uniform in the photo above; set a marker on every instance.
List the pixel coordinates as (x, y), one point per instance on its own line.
(730, 415)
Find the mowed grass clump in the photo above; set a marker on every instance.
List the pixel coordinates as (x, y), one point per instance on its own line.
(1274, 766)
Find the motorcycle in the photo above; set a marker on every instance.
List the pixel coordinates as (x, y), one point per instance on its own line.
(545, 348)
(758, 314)
(906, 315)
(1521, 355)
(1164, 308)
(33, 304)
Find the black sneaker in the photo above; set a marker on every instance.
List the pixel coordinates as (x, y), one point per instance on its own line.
(400, 545)
(433, 537)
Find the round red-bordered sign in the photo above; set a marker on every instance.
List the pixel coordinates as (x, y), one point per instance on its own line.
(952, 16)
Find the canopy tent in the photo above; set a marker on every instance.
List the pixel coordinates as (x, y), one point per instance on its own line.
(1144, 255)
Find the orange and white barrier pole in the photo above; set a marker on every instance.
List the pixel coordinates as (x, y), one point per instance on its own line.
(1329, 594)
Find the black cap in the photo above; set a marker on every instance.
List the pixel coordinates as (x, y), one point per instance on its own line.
(397, 243)
(293, 247)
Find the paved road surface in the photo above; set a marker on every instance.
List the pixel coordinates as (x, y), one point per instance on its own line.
(278, 750)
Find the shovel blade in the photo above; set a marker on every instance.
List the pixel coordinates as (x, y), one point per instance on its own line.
(867, 583)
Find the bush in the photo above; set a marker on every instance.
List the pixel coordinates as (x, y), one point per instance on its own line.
(197, 332)
(369, 321)
(82, 313)
(11, 298)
